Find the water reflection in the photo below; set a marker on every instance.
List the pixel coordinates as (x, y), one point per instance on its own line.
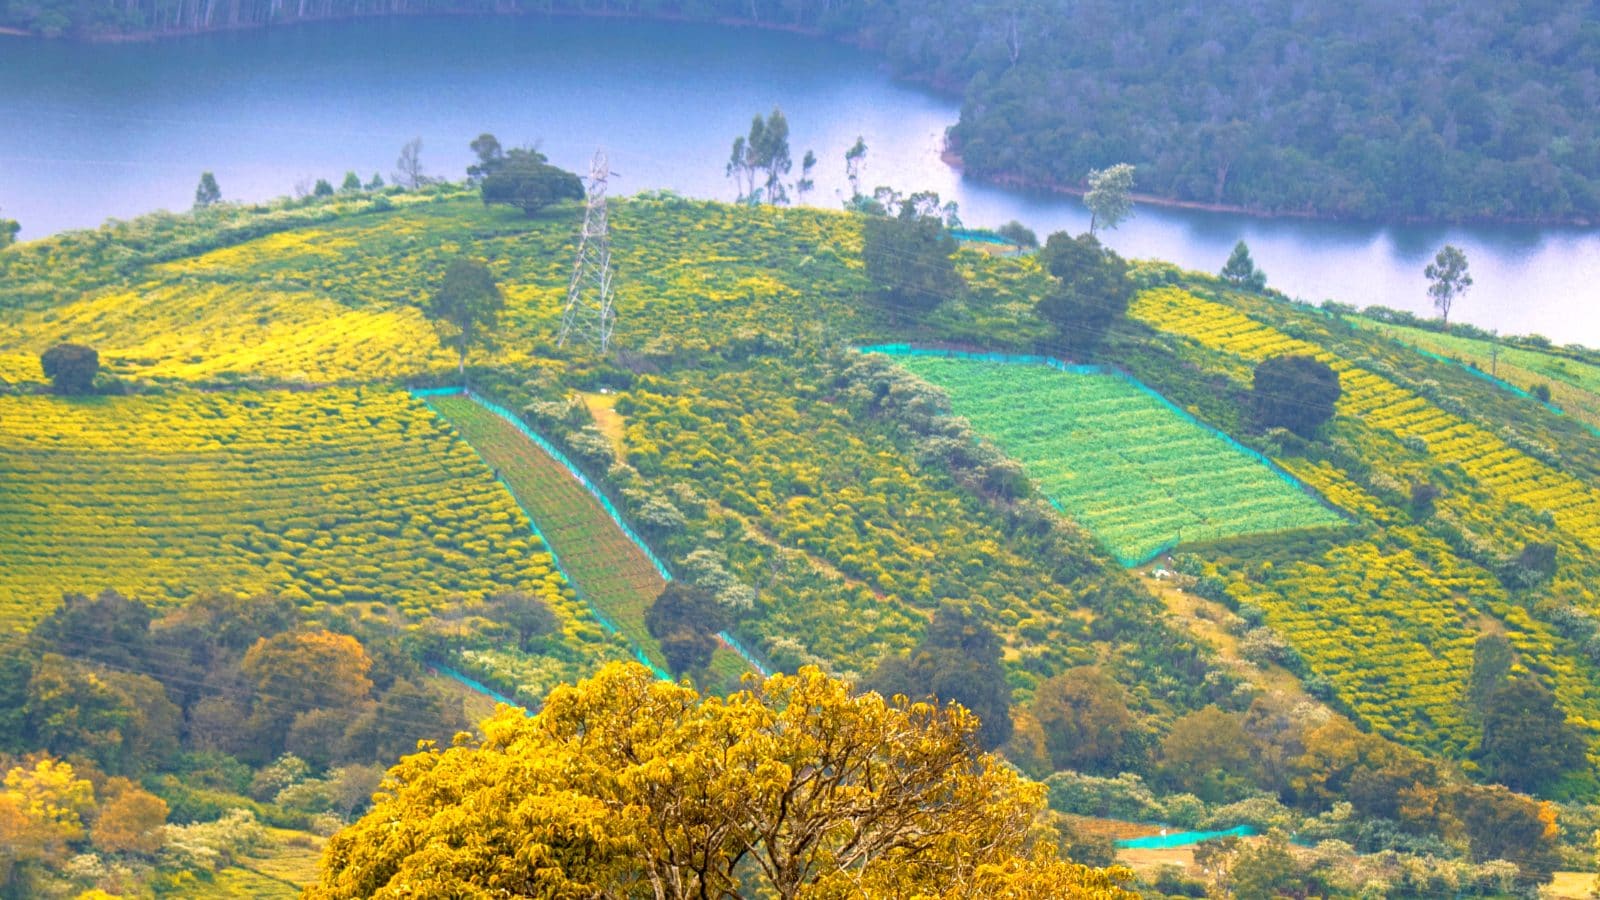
(116, 130)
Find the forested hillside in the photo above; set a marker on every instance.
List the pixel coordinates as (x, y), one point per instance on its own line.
(1418, 110)
(1376, 630)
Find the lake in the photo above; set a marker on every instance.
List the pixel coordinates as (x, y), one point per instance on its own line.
(89, 132)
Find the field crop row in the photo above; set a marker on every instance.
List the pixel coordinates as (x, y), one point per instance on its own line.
(329, 496)
(610, 570)
(1391, 622)
(1507, 473)
(1117, 459)
(1574, 385)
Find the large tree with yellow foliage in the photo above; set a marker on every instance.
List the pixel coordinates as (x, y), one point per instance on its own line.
(625, 786)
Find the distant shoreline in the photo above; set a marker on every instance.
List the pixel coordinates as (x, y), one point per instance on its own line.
(950, 156)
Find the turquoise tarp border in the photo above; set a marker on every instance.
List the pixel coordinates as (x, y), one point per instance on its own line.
(544, 444)
(1183, 838)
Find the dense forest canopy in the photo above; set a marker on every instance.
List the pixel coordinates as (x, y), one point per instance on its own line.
(1400, 110)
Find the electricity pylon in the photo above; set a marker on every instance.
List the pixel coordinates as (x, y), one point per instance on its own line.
(590, 306)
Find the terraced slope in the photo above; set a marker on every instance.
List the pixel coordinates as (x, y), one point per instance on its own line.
(1125, 465)
(610, 570)
(1509, 474)
(330, 496)
(1574, 386)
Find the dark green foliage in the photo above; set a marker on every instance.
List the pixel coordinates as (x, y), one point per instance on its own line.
(957, 661)
(1423, 496)
(1535, 565)
(1018, 234)
(490, 157)
(685, 618)
(763, 155)
(1503, 825)
(324, 188)
(1294, 392)
(466, 307)
(1540, 392)
(1539, 559)
(109, 628)
(1491, 663)
(908, 260)
(526, 180)
(528, 617)
(1090, 293)
(16, 670)
(8, 232)
(207, 193)
(1240, 270)
(70, 367)
(351, 183)
(1087, 724)
(389, 729)
(1527, 742)
(1376, 110)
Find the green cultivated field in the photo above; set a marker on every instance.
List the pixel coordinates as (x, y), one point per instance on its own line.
(1117, 460)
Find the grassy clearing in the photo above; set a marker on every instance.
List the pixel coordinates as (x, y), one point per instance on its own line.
(1132, 471)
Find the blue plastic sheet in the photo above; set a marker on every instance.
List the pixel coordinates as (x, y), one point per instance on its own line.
(1183, 838)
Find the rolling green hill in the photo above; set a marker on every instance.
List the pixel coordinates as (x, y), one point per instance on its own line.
(835, 502)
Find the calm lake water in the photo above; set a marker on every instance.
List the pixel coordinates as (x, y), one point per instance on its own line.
(89, 132)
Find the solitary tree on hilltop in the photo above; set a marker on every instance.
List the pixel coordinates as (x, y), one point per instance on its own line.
(525, 179)
(207, 194)
(1449, 279)
(854, 159)
(908, 259)
(8, 232)
(1108, 196)
(1241, 270)
(466, 307)
(806, 183)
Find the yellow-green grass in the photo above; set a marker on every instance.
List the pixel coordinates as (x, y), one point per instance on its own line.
(1574, 386)
(339, 301)
(335, 496)
(1125, 465)
(1507, 474)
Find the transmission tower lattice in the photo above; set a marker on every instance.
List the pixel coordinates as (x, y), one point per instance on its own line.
(590, 306)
